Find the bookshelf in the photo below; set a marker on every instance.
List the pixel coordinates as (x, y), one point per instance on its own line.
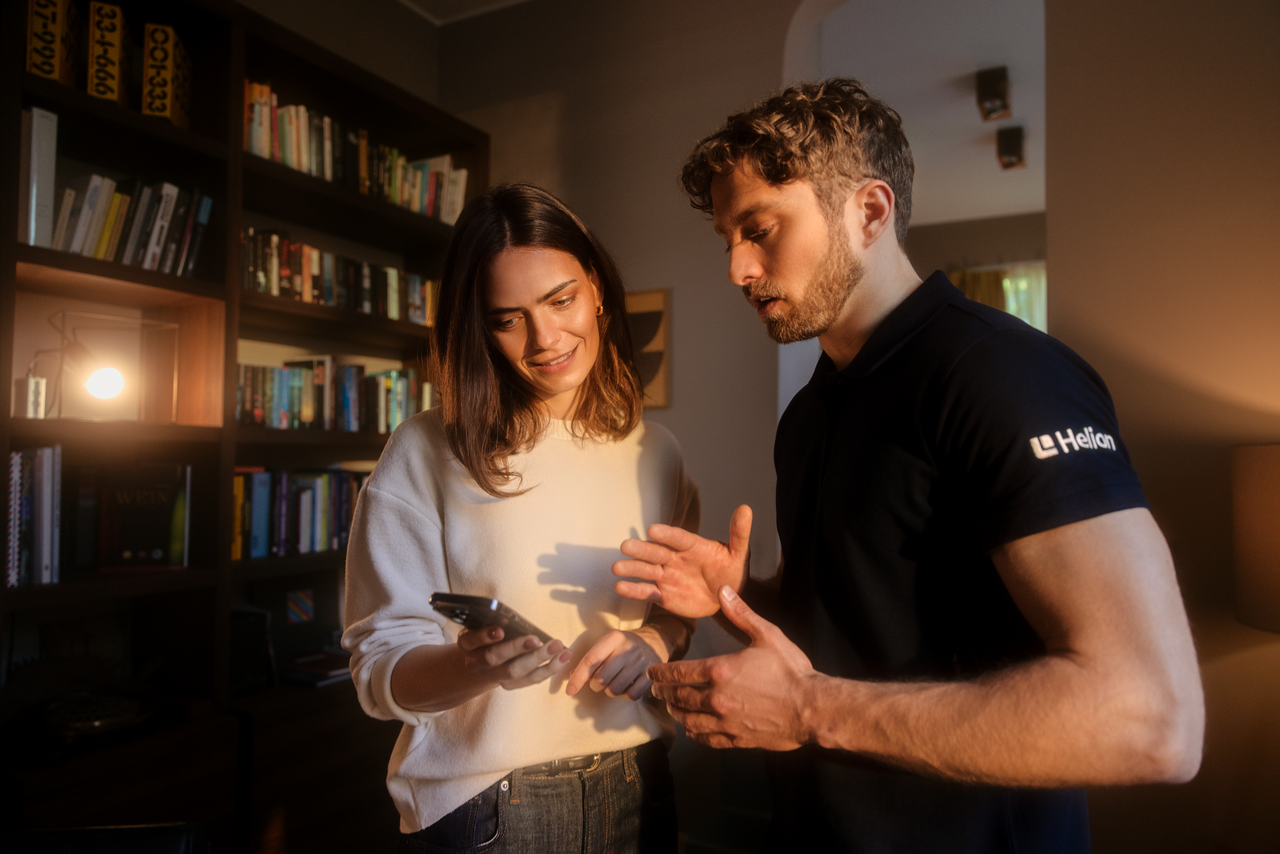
(176, 647)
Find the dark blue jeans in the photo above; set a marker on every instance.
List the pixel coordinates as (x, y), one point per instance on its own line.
(626, 805)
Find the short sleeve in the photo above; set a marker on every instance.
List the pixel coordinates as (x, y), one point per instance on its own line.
(1029, 432)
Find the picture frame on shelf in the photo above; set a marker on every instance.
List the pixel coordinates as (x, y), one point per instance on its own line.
(649, 316)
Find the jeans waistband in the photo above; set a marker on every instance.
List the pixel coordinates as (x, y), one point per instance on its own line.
(569, 765)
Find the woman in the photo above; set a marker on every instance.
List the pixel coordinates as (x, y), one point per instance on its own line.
(519, 487)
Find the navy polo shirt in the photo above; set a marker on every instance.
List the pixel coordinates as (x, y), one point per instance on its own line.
(957, 428)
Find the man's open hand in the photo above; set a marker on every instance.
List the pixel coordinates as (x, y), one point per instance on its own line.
(681, 571)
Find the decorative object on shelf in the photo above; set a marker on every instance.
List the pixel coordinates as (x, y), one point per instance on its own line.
(166, 75)
(53, 39)
(146, 388)
(648, 315)
(110, 54)
(1255, 516)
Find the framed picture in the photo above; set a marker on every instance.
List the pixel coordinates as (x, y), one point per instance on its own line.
(648, 315)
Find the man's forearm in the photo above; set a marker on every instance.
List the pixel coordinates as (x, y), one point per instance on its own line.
(1056, 721)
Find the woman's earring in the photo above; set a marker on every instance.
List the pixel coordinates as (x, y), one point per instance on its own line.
(600, 310)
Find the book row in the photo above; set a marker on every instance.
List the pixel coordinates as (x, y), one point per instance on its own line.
(276, 265)
(283, 513)
(98, 55)
(315, 394)
(76, 209)
(134, 518)
(320, 146)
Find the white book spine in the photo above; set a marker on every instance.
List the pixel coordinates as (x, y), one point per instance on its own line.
(86, 214)
(44, 158)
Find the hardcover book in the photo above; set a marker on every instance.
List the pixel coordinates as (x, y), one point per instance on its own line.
(144, 517)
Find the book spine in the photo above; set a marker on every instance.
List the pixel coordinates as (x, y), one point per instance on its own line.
(14, 517)
(160, 229)
(197, 238)
(166, 81)
(87, 206)
(53, 39)
(108, 53)
(108, 226)
(44, 156)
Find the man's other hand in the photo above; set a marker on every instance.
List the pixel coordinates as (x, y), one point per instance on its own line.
(753, 698)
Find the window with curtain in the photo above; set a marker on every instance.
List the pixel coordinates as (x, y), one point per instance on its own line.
(1016, 288)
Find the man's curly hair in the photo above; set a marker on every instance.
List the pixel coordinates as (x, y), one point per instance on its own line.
(832, 134)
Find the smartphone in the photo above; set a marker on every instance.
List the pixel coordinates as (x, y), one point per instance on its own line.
(477, 612)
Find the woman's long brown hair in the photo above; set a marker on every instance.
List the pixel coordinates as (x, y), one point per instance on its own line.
(489, 413)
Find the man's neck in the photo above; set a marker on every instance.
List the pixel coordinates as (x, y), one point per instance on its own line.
(888, 280)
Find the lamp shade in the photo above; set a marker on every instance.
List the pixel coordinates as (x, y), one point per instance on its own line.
(1255, 488)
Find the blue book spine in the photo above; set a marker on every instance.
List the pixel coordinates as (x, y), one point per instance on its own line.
(259, 514)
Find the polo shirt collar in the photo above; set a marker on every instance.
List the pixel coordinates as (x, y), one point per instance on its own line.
(898, 327)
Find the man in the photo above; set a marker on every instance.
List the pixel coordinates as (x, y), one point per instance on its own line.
(977, 615)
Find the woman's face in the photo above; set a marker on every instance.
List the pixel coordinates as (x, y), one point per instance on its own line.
(541, 315)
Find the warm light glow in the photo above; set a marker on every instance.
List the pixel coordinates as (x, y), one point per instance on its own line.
(105, 384)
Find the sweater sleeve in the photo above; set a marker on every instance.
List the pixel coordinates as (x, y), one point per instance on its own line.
(395, 561)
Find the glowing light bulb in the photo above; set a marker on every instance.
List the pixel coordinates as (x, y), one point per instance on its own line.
(105, 384)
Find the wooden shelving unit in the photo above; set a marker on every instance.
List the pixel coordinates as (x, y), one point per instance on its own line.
(181, 621)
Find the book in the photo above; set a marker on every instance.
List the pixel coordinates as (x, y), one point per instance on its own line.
(12, 572)
(124, 219)
(178, 229)
(87, 189)
(64, 218)
(110, 53)
(237, 512)
(166, 75)
(454, 196)
(53, 39)
(101, 206)
(140, 229)
(168, 197)
(259, 500)
(203, 212)
(108, 225)
(144, 517)
(321, 374)
(37, 193)
(317, 670)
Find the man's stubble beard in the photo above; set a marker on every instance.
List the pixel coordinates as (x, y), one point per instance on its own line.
(826, 295)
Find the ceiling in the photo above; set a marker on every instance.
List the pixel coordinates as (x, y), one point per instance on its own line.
(920, 57)
(441, 12)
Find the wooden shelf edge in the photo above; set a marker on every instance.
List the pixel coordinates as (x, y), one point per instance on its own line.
(105, 586)
(246, 435)
(66, 430)
(48, 270)
(262, 569)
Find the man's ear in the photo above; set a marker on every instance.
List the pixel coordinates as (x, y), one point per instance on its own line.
(869, 212)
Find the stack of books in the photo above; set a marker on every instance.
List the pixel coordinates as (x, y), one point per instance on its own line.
(274, 264)
(283, 513)
(314, 393)
(321, 146)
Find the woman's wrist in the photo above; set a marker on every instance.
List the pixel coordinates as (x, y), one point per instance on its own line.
(672, 632)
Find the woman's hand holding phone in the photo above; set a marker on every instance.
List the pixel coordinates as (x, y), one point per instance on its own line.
(511, 662)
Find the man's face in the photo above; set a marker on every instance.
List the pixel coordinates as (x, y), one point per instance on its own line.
(794, 266)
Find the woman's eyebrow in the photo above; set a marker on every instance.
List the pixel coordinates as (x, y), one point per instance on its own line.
(548, 295)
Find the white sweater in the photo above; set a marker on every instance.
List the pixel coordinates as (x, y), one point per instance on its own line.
(423, 525)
